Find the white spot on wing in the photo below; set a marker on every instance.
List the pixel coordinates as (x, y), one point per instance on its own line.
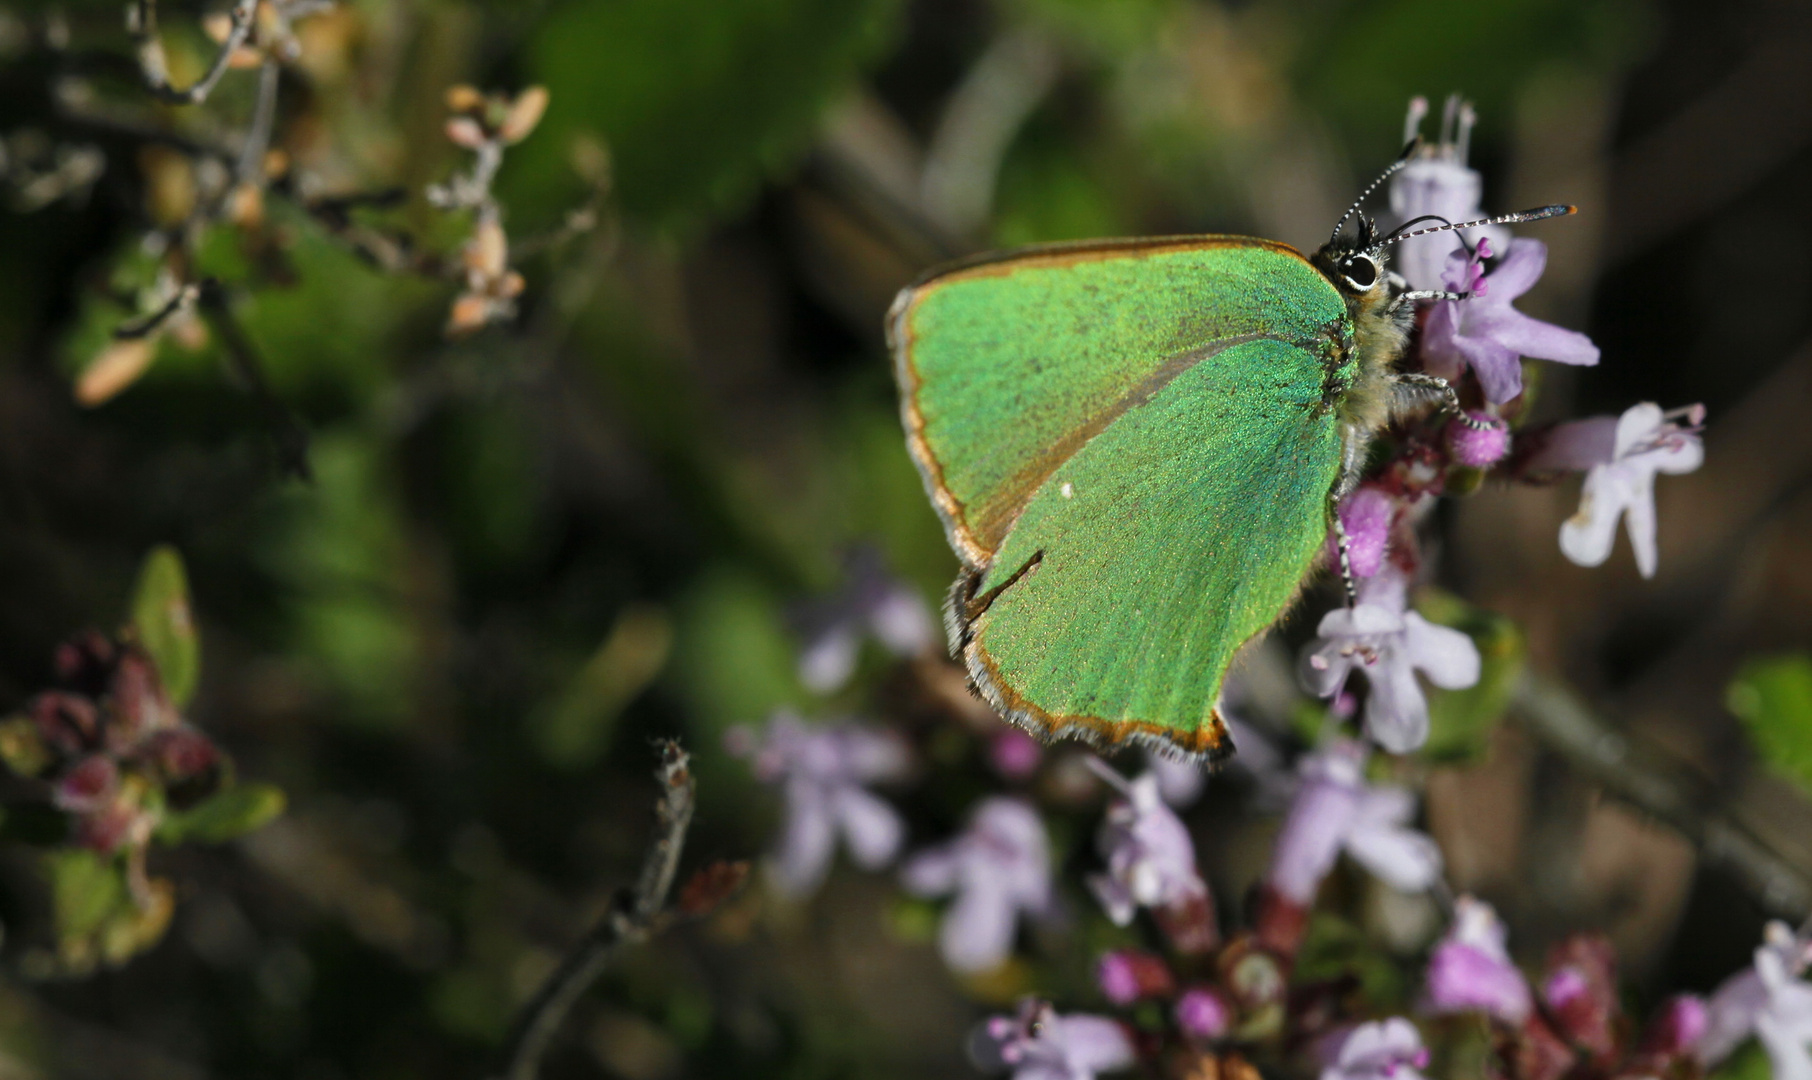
(1067, 490)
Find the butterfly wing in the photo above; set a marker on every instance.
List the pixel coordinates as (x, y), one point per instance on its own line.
(1131, 452)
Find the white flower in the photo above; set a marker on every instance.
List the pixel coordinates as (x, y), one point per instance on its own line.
(1621, 457)
(1336, 809)
(1769, 1001)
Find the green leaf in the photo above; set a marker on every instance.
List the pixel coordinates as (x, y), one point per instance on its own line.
(1461, 721)
(576, 729)
(698, 101)
(1748, 1063)
(85, 890)
(234, 812)
(1773, 698)
(165, 624)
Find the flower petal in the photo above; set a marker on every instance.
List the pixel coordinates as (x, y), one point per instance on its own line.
(1578, 445)
(1586, 537)
(871, 827)
(977, 933)
(1396, 714)
(806, 842)
(1639, 521)
(1519, 270)
(933, 872)
(1531, 337)
(1095, 1043)
(1448, 657)
(1499, 370)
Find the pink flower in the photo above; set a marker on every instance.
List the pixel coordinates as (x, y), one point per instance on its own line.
(1336, 810)
(1470, 970)
(1127, 975)
(1203, 1015)
(822, 769)
(1380, 637)
(1622, 456)
(1485, 333)
(1039, 1044)
(1013, 753)
(999, 868)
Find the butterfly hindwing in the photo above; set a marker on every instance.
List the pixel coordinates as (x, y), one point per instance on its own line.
(1130, 449)
(1157, 550)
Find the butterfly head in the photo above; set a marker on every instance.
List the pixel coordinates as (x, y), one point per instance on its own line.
(1356, 264)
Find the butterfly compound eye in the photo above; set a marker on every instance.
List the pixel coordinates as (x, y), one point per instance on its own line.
(1360, 271)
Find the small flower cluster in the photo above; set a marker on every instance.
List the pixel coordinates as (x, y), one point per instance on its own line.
(1475, 345)
(113, 749)
(485, 124)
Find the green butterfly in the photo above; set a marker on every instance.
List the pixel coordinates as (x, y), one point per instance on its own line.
(1136, 447)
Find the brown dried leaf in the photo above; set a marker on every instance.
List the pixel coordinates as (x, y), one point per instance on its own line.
(470, 312)
(465, 131)
(245, 57)
(707, 889)
(218, 25)
(487, 253)
(464, 99)
(525, 112)
(116, 367)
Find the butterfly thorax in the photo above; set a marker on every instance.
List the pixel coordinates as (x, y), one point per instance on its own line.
(1362, 392)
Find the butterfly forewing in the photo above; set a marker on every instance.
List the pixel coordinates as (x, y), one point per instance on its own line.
(1130, 451)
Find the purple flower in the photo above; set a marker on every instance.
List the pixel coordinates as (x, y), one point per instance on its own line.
(1621, 456)
(999, 868)
(1150, 857)
(1336, 810)
(1041, 1045)
(1203, 1015)
(1438, 183)
(1389, 643)
(1382, 1050)
(1179, 782)
(1470, 970)
(1769, 1001)
(1677, 1027)
(870, 600)
(1485, 333)
(822, 770)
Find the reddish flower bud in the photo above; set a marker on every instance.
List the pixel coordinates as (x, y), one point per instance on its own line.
(1129, 975)
(89, 786)
(68, 723)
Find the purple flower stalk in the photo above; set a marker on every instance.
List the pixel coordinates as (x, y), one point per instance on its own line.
(1150, 857)
(1039, 1044)
(1380, 637)
(871, 601)
(1438, 183)
(1383, 1050)
(1479, 444)
(1485, 333)
(1769, 1001)
(999, 868)
(1621, 456)
(1470, 970)
(1336, 810)
(823, 770)
(1365, 515)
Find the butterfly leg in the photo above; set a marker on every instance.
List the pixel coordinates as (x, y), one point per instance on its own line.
(1342, 547)
(1417, 381)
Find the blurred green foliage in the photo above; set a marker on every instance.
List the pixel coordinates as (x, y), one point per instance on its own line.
(1460, 722)
(164, 623)
(1773, 698)
(697, 102)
